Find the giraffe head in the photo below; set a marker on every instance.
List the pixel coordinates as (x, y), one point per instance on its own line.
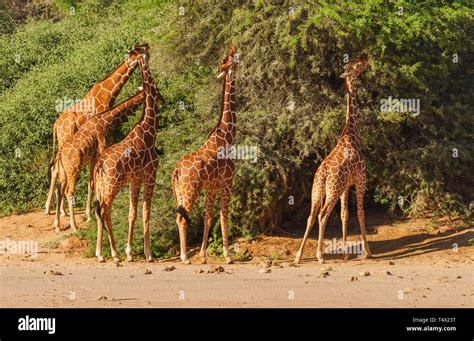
(354, 69)
(143, 61)
(229, 64)
(138, 51)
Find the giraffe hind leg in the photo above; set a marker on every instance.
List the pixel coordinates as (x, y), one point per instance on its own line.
(107, 216)
(132, 217)
(57, 216)
(317, 197)
(315, 205)
(344, 220)
(225, 199)
(210, 198)
(183, 224)
(323, 219)
(360, 190)
(52, 176)
(147, 196)
(100, 229)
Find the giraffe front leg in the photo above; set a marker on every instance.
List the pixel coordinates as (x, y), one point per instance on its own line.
(225, 199)
(132, 216)
(210, 198)
(52, 185)
(360, 190)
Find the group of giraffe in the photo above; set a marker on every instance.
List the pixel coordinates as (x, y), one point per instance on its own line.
(84, 138)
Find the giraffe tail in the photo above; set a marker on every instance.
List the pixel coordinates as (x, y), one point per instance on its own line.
(50, 173)
(98, 211)
(97, 191)
(182, 212)
(180, 209)
(174, 180)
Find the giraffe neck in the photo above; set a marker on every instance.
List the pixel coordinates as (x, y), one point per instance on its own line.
(228, 119)
(110, 87)
(148, 124)
(118, 114)
(351, 113)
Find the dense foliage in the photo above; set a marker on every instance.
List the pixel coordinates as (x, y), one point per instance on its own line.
(291, 103)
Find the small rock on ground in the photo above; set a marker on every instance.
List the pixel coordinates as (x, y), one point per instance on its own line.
(215, 269)
(264, 270)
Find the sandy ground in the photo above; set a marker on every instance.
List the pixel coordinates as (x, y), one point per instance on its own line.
(417, 263)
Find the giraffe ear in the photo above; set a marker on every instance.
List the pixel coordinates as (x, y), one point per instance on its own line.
(343, 75)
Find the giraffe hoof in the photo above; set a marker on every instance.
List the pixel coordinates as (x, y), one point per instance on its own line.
(129, 258)
(320, 260)
(346, 256)
(186, 261)
(149, 259)
(57, 229)
(228, 260)
(47, 212)
(202, 260)
(100, 259)
(116, 259)
(368, 256)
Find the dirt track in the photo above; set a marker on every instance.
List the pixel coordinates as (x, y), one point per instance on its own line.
(411, 268)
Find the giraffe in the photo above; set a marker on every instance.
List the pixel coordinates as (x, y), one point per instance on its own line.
(206, 169)
(101, 97)
(134, 160)
(84, 148)
(343, 167)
